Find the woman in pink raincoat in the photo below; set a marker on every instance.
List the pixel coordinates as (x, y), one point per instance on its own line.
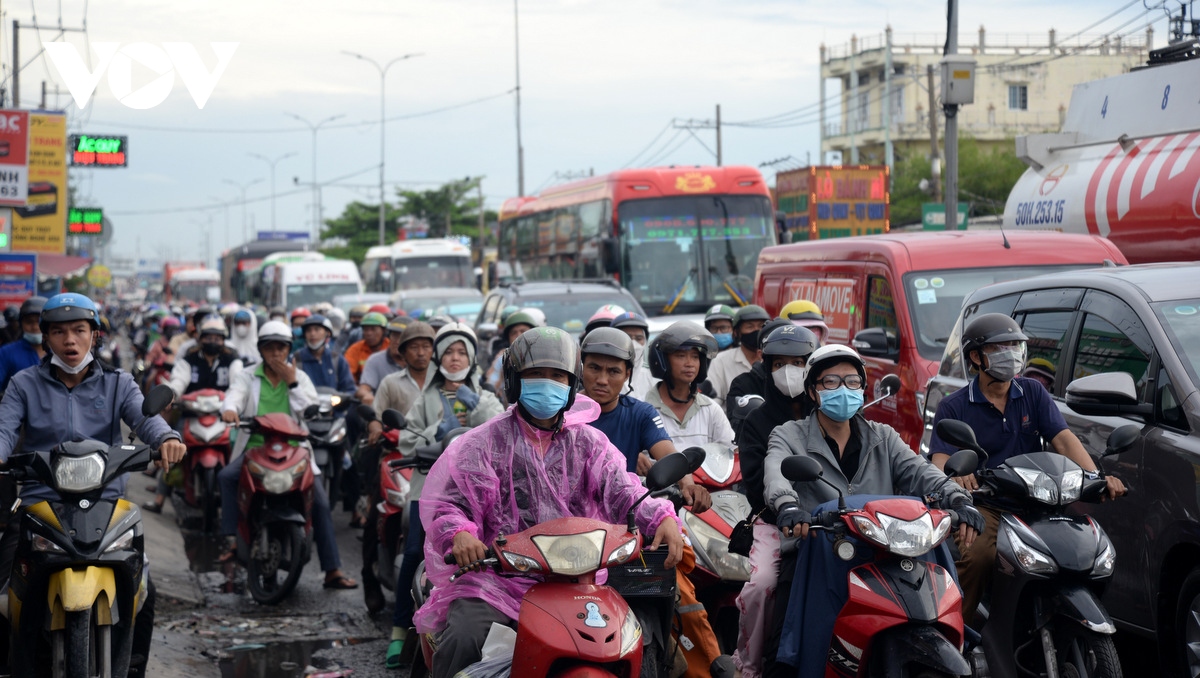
(536, 462)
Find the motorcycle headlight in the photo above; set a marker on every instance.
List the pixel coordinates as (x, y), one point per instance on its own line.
(1105, 562)
(909, 538)
(522, 564)
(277, 482)
(399, 496)
(300, 467)
(1072, 481)
(123, 542)
(622, 553)
(1029, 559)
(870, 530)
(1039, 485)
(41, 543)
(255, 469)
(338, 433)
(631, 633)
(79, 474)
(713, 547)
(572, 554)
(335, 400)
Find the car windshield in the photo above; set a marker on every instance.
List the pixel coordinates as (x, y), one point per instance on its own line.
(414, 303)
(571, 313)
(307, 295)
(414, 273)
(935, 298)
(1182, 320)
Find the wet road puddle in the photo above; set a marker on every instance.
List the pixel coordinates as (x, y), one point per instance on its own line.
(281, 660)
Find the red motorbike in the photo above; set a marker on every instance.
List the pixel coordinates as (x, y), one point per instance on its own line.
(275, 498)
(902, 615)
(569, 625)
(208, 442)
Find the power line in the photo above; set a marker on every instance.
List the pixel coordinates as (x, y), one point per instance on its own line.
(648, 146)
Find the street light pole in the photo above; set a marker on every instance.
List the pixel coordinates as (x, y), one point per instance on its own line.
(382, 124)
(272, 163)
(242, 188)
(316, 191)
(520, 149)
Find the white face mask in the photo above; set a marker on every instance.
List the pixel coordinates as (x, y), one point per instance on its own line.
(58, 362)
(315, 345)
(460, 375)
(789, 379)
(639, 352)
(242, 331)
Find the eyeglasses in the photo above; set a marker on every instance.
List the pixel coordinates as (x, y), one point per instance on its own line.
(832, 381)
(1000, 345)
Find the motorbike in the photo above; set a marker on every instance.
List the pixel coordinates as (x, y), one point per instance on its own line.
(80, 574)
(326, 423)
(1045, 615)
(902, 616)
(558, 634)
(275, 500)
(207, 439)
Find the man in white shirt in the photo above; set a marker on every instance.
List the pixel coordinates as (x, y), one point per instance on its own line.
(680, 357)
(728, 365)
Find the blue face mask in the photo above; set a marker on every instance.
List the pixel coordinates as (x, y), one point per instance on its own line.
(544, 398)
(841, 403)
(724, 340)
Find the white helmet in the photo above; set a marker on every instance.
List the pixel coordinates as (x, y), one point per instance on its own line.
(275, 330)
(831, 354)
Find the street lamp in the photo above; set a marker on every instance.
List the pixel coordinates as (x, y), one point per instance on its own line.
(272, 163)
(382, 122)
(242, 188)
(316, 192)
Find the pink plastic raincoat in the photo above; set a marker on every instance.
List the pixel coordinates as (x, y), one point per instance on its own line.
(494, 480)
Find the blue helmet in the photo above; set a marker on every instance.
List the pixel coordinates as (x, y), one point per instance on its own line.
(69, 307)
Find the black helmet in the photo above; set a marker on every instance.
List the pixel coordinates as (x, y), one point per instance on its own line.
(317, 320)
(541, 347)
(750, 312)
(609, 341)
(201, 313)
(989, 328)
(788, 340)
(31, 306)
(681, 336)
(11, 314)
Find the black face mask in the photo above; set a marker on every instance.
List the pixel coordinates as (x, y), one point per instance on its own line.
(749, 340)
(211, 349)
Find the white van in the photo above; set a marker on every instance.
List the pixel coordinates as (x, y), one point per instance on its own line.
(438, 262)
(304, 283)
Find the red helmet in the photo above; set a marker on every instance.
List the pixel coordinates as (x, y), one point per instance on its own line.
(399, 312)
(380, 308)
(300, 313)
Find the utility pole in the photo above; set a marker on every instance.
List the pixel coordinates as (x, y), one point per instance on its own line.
(889, 155)
(272, 163)
(482, 220)
(951, 126)
(242, 188)
(316, 189)
(935, 161)
(853, 107)
(718, 135)
(520, 149)
(16, 63)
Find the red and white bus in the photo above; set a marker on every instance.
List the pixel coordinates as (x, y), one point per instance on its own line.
(680, 239)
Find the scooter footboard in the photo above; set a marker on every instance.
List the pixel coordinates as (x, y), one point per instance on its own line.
(1079, 604)
(919, 644)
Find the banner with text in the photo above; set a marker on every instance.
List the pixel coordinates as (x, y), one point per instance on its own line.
(14, 157)
(41, 224)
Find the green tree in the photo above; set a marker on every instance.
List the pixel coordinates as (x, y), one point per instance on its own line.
(357, 230)
(450, 209)
(986, 175)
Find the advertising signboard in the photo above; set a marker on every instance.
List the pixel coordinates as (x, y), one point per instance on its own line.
(18, 277)
(833, 201)
(41, 224)
(14, 157)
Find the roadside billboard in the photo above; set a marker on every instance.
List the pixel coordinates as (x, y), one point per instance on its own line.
(18, 278)
(833, 201)
(41, 224)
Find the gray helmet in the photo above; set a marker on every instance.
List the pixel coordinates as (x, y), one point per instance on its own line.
(610, 342)
(32, 306)
(750, 312)
(681, 336)
(788, 340)
(541, 347)
(317, 320)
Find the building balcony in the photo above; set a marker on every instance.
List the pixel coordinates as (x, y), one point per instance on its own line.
(980, 124)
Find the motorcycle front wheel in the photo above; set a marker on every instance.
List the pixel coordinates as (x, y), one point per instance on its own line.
(1083, 653)
(81, 649)
(272, 576)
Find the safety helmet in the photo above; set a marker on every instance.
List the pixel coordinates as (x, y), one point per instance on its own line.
(681, 336)
(719, 312)
(300, 313)
(541, 347)
(68, 307)
(750, 312)
(201, 313)
(322, 307)
(1042, 368)
(801, 309)
(507, 311)
(215, 326)
(338, 317)
(374, 319)
(275, 331)
(242, 316)
(525, 316)
(417, 330)
(440, 320)
(358, 310)
(455, 330)
(317, 320)
(789, 340)
(380, 308)
(603, 317)
(989, 328)
(12, 314)
(630, 319)
(829, 355)
(608, 341)
(169, 322)
(398, 324)
(32, 306)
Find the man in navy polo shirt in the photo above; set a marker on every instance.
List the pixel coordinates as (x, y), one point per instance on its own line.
(1010, 415)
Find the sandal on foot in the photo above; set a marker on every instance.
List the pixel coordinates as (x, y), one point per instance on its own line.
(341, 582)
(228, 551)
(394, 652)
(152, 506)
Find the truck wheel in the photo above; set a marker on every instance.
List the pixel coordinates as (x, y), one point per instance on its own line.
(1187, 625)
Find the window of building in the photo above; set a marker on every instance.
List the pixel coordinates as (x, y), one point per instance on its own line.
(862, 111)
(1018, 97)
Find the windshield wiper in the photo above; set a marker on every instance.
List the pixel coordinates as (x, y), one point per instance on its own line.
(670, 308)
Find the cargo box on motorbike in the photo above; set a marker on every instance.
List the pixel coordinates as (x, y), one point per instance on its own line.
(644, 577)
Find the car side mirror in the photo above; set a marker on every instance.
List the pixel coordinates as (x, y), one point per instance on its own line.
(485, 331)
(876, 342)
(393, 419)
(610, 255)
(669, 470)
(962, 463)
(1121, 439)
(157, 400)
(365, 412)
(799, 468)
(1106, 394)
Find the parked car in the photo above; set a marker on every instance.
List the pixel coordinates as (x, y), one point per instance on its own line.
(461, 303)
(1121, 346)
(567, 303)
(895, 297)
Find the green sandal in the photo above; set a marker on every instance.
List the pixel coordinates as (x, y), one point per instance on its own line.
(394, 652)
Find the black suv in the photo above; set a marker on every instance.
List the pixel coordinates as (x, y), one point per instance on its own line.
(567, 303)
(1085, 329)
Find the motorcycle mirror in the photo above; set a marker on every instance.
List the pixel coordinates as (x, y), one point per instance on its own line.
(669, 470)
(797, 468)
(961, 463)
(453, 435)
(1121, 439)
(312, 411)
(393, 419)
(157, 400)
(889, 385)
(365, 412)
(957, 433)
(695, 457)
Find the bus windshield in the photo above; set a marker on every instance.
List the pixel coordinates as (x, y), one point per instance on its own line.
(684, 254)
(199, 291)
(309, 294)
(414, 273)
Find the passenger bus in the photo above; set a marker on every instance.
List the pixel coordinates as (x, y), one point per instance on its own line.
(438, 262)
(261, 277)
(680, 239)
(196, 286)
(377, 269)
(236, 262)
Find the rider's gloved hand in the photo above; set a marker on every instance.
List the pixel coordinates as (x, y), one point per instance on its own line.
(467, 397)
(968, 516)
(793, 521)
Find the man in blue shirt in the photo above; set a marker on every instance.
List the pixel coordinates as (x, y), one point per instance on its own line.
(323, 365)
(27, 350)
(1010, 415)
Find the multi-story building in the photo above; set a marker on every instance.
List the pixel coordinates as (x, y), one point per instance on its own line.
(1022, 86)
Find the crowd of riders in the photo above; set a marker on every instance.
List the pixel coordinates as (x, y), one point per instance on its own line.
(558, 425)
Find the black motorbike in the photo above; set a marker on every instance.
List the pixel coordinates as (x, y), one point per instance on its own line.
(1044, 616)
(326, 422)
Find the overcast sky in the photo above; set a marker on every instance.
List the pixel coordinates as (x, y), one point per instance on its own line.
(599, 80)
